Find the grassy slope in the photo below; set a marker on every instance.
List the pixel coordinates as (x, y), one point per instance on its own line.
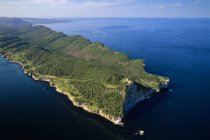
(92, 73)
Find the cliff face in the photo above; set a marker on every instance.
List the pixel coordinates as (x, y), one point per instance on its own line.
(136, 93)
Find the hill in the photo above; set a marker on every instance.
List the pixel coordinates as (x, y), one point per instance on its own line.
(90, 74)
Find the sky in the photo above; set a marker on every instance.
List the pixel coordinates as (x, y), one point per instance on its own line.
(104, 8)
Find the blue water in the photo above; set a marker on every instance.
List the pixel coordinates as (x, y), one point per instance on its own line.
(177, 48)
(32, 110)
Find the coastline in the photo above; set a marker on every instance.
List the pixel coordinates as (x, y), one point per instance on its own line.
(116, 121)
(114, 106)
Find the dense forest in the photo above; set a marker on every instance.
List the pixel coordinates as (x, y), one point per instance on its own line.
(89, 71)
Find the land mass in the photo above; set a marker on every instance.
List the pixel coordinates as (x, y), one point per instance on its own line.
(46, 21)
(93, 76)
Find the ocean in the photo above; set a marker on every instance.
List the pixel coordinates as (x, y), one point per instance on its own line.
(178, 48)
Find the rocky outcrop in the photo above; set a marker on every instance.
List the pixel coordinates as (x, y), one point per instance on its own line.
(136, 93)
(164, 84)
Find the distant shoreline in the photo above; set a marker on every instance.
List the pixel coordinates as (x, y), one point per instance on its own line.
(40, 21)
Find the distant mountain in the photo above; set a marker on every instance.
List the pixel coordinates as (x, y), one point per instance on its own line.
(15, 22)
(45, 21)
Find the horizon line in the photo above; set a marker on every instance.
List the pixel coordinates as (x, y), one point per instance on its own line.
(98, 17)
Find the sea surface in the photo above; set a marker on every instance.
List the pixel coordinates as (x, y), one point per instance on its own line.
(176, 48)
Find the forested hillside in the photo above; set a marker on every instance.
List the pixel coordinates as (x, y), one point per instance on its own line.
(90, 72)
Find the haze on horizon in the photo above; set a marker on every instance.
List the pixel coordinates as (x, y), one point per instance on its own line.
(104, 8)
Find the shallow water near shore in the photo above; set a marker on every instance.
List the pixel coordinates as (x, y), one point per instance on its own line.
(176, 48)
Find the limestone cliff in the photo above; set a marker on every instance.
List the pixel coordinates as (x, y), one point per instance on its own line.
(136, 93)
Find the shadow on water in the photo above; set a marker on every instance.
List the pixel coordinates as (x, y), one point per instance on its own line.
(140, 110)
(83, 118)
(125, 132)
(55, 117)
(82, 115)
(145, 106)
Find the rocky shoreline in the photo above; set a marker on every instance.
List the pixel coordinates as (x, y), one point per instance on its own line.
(115, 120)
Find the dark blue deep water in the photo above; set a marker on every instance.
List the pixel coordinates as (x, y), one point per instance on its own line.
(32, 110)
(177, 48)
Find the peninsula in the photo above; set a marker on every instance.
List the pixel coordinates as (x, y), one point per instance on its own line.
(93, 76)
